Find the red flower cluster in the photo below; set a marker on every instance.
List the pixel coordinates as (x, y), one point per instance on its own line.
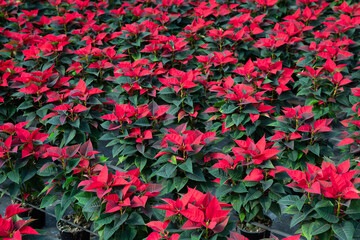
(330, 181)
(11, 229)
(134, 193)
(199, 210)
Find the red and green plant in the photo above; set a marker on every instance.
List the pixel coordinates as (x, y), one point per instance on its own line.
(109, 106)
(12, 226)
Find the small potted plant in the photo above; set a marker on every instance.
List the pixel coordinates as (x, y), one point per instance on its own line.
(303, 137)
(195, 214)
(181, 158)
(118, 202)
(247, 181)
(68, 167)
(19, 162)
(12, 226)
(329, 207)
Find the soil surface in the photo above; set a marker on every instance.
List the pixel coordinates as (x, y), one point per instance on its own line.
(248, 227)
(65, 227)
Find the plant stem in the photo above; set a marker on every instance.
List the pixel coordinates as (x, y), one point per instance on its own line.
(338, 207)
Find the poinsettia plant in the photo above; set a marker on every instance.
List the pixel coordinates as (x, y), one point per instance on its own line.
(303, 137)
(328, 207)
(66, 168)
(182, 156)
(70, 113)
(241, 105)
(247, 179)
(195, 214)
(133, 131)
(12, 226)
(22, 148)
(164, 87)
(118, 203)
(324, 85)
(349, 137)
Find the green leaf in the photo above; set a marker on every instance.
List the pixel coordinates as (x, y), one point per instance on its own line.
(180, 182)
(238, 118)
(187, 166)
(59, 212)
(83, 197)
(117, 149)
(14, 176)
(2, 179)
(239, 188)
(235, 174)
(293, 156)
(222, 190)
(66, 200)
(55, 121)
(189, 101)
(354, 207)
(140, 163)
(306, 230)
(291, 210)
(250, 129)
(265, 202)
(229, 122)
(344, 230)
(228, 108)
(327, 214)
(109, 230)
(197, 175)
(289, 200)
(129, 150)
(68, 181)
(25, 105)
(168, 186)
(69, 134)
(142, 122)
(297, 218)
(252, 195)
(92, 205)
(128, 234)
(315, 149)
(47, 200)
(324, 203)
(71, 164)
(136, 219)
(167, 90)
(306, 62)
(228, 147)
(46, 66)
(275, 208)
(167, 170)
(300, 203)
(267, 184)
(105, 219)
(50, 170)
(27, 173)
(195, 236)
(320, 227)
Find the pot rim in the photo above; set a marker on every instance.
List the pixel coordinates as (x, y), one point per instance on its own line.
(263, 230)
(79, 229)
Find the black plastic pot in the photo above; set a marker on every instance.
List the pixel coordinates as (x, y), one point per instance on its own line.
(39, 217)
(256, 235)
(78, 234)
